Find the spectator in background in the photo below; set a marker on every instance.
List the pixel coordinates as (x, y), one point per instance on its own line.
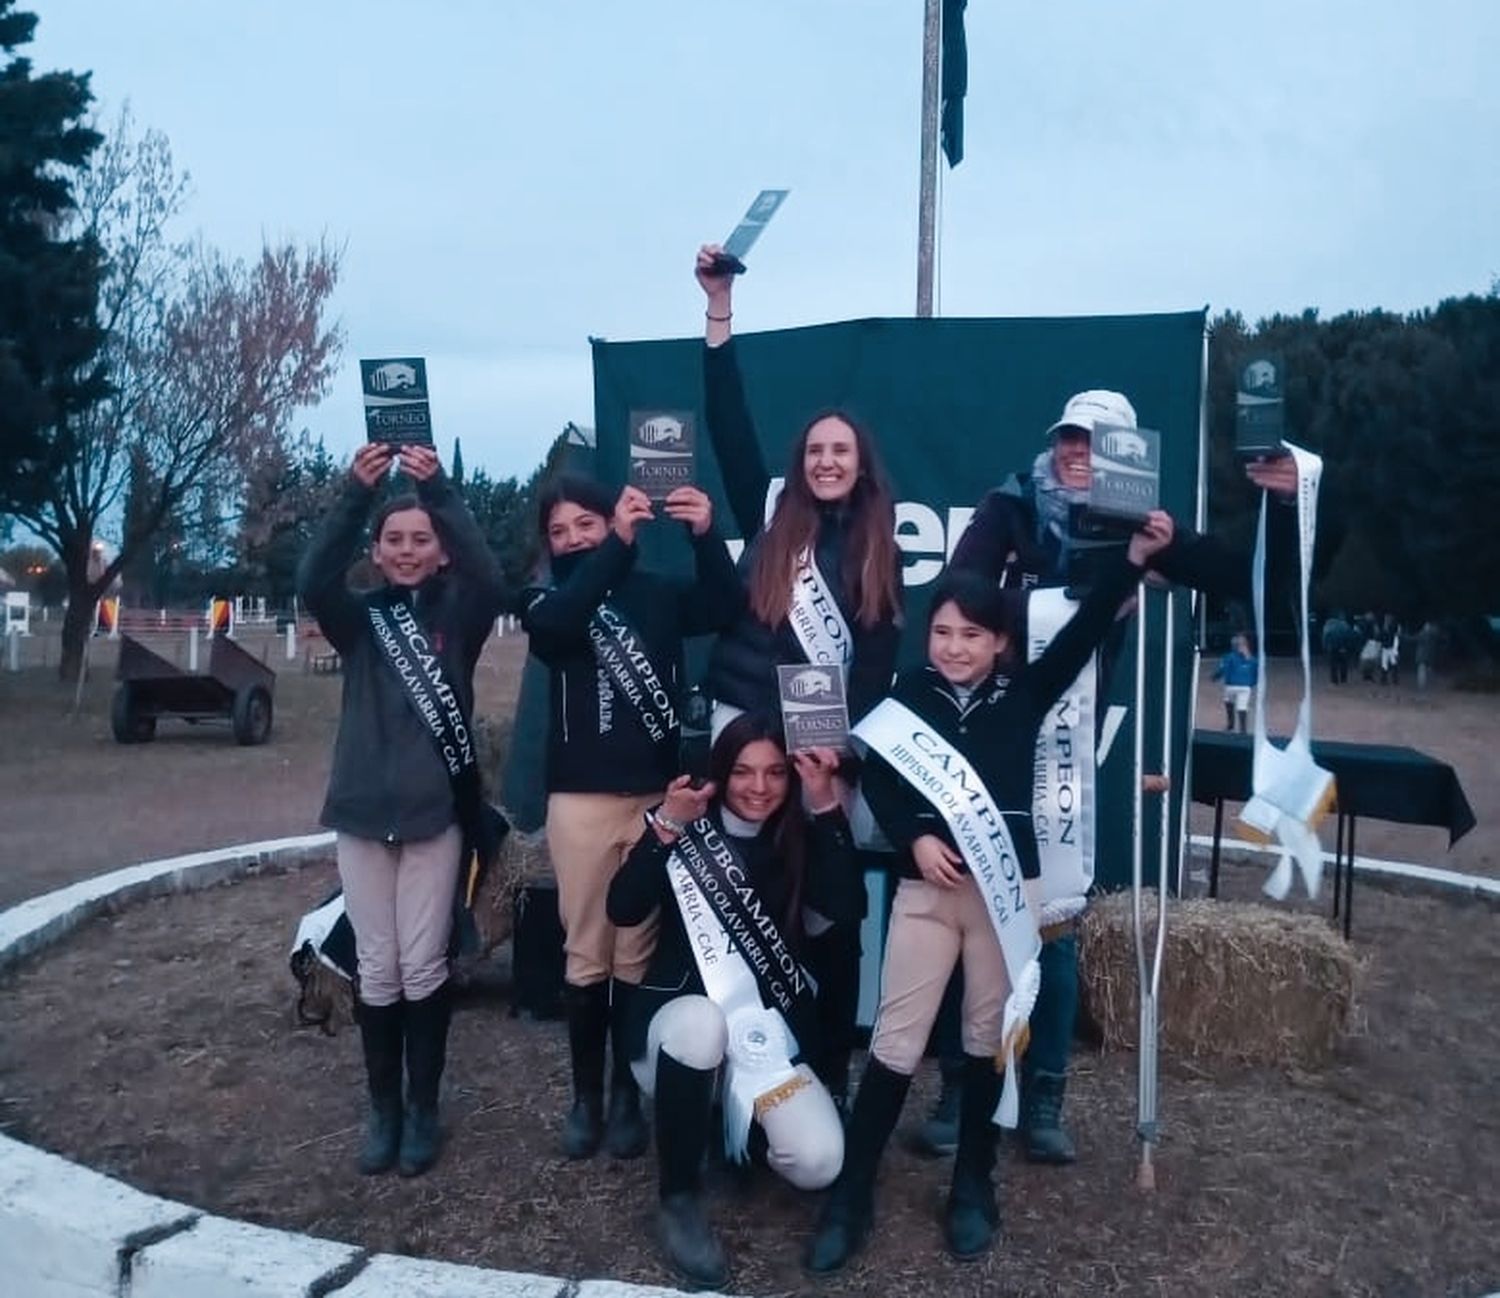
(1389, 637)
(1429, 641)
(1238, 670)
(1337, 635)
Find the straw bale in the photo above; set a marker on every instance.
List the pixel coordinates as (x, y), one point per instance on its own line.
(523, 859)
(1242, 983)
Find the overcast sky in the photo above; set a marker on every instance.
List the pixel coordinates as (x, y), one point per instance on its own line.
(510, 178)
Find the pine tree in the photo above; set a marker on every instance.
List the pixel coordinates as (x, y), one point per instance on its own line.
(49, 284)
(458, 463)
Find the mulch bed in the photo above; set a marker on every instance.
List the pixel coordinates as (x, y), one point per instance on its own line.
(159, 1046)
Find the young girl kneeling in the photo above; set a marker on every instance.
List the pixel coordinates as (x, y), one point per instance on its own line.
(733, 867)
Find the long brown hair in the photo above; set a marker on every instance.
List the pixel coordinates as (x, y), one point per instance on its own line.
(786, 825)
(871, 565)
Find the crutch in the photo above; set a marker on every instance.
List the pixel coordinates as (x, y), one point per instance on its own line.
(1148, 979)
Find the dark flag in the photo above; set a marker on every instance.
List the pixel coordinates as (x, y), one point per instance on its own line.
(955, 80)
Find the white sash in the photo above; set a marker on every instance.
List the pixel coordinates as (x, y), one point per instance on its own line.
(1290, 792)
(817, 621)
(1063, 788)
(758, 1062)
(942, 775)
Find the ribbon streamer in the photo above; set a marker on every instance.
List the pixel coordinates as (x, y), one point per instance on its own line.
(1291, 793)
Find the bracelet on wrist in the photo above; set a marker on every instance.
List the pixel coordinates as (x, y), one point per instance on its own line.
(658, 819)
(720, 319)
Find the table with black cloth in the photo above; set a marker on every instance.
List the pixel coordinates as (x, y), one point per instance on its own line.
(1384, 781)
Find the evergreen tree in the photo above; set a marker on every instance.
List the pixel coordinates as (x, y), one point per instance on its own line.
(49, 283)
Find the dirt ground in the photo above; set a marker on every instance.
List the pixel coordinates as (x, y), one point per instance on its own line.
(1379, 1175)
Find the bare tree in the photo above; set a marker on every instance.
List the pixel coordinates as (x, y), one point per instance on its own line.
(208, 358)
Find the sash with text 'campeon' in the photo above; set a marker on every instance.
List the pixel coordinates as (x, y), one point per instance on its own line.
(944, 777)
(817, 621)
(1063, 785)
(411, 656)
(621, 652)
(748, 971)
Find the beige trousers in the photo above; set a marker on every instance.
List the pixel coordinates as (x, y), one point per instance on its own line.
(588, 838)
(399, 898)
(932, 928)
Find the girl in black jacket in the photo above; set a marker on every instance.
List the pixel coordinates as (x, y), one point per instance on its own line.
(962, 702)
(834, 520)
(390, 795)
(612, 636)
(679, 1030)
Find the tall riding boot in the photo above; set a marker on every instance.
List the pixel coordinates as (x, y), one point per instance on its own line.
(684, 1120)
(426, 1024)
(972, 1215)
(625, 1132)
(1229, 716)
(1044, 1067)
(588, 1026)
(380, 1033)
(938, 1135)
(849, 1210)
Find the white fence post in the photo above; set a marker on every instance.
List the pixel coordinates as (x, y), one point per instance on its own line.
(291, 642)
(193, 648)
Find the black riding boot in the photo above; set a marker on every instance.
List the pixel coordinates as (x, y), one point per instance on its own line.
(1229, 716)
(426, 1025)
(972, 1215)
(625, 1134)
(684, 1120)
(588, 1026)
(849, 1209)
(938, 1134)
(380, 1033)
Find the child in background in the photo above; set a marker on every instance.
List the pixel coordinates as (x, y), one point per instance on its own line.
(1237, 669)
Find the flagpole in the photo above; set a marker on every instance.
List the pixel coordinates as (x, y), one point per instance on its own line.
(932, 44)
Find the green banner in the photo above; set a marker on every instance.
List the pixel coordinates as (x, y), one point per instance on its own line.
(956, 406)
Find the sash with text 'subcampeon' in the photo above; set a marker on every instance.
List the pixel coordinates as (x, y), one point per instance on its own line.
(405, 648)
(621, 653)
(748, 971)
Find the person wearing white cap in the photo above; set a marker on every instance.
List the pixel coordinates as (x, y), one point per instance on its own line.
(1029, 532)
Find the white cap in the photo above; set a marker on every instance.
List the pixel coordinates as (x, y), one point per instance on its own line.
(1096, 406)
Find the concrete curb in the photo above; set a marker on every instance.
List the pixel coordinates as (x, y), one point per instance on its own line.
(1394, 876)
(69, 1232)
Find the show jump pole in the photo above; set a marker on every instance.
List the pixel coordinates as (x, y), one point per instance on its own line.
(932, 45)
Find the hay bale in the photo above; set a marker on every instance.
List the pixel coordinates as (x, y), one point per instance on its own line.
(523, 859)
(1241, 983)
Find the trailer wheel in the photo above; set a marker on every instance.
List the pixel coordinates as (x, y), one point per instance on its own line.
(127, 721)
(251, 716)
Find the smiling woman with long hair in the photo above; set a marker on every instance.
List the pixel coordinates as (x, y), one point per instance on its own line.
(831, 533)
(781, 861)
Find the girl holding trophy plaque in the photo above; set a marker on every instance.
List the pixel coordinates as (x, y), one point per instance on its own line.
(948, 774)
(611, 636)
(733, 867)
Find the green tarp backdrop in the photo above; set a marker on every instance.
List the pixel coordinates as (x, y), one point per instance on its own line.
(956, 406)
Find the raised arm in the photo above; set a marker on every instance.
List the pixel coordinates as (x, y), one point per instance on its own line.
(322, 572)
(713, 599)
(730, 428)
(1045, 680)
(483, 583)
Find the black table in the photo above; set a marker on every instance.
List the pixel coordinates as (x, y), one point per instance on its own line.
(1377, 780)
